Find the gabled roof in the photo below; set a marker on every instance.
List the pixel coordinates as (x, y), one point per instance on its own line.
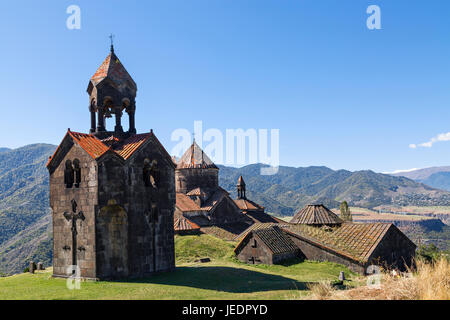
(257, 226)
(352, 240)
(248, 205)
(316, 214)
(194, 157)
(130, 145)
(273, 238)
(96, 148)
(197, 192)
(185, 204)
(113, 69)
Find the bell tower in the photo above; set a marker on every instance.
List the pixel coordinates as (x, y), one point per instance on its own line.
(241, 188)
(111, 91)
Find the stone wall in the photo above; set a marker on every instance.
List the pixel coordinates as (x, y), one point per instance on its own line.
(60, 202)
(260, 253)
(188, 179)
(227, 212)
(312, 252)
(394, 251)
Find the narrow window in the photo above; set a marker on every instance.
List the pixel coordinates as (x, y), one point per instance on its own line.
(154, 174)
(146, 173)
(151, 174)
(254, 243)
(77, 170)
(68, 174)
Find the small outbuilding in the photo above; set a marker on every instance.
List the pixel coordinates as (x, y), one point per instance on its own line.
(355, 245)
(268, 246)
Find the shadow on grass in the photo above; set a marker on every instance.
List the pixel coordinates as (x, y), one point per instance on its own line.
(228, 279)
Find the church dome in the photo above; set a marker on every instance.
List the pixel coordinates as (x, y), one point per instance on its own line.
(195, 158)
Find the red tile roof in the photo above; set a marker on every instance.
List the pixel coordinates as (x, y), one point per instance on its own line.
(96, 147)
(130, 145)
(183, 224)
(90, 144)
(113, 69)
(247, 205)
(194, 157)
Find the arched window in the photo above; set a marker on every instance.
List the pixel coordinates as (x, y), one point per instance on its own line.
(146, 172)
(151, 173)
(68, 174)
(77, 170)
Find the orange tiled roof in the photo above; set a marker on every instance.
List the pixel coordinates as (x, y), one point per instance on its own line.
(90, 143)
(197, 192)
(183, 224)
(130, 145)
(96, 147)
(245, 205)
(356, 241)
(194, 157)
(184, 203)
(113, 69)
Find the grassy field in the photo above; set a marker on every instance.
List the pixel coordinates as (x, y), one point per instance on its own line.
(222, 278)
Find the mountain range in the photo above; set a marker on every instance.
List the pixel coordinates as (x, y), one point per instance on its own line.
(25, 219)
(436, 177)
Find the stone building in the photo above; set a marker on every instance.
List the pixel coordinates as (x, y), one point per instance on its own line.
(112, 193)
(199, 198)
(321, 236)
(267, 246)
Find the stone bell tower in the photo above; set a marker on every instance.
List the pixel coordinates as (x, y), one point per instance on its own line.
(112, 193)
(111, 91)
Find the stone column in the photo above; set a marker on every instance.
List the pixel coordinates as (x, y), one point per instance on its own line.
(101, 120)
(93, 124)
(118, 128)
(131, 118)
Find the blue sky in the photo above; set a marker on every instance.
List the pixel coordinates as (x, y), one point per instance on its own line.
(342, 96)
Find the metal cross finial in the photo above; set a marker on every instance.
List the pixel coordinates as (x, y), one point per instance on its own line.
(111, 36)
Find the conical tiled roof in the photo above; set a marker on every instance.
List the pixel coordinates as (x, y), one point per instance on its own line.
(241, 181)
(316, 214)
(194, 157)
(114, 70)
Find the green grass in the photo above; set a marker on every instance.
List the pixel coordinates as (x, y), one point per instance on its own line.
(222, 278)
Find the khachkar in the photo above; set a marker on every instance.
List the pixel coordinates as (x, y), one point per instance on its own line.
(112, 193)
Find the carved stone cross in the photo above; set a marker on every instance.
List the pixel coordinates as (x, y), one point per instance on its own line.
(74, 216)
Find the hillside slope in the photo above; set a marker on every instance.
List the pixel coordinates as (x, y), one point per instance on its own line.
(23, 203)
(292, 188)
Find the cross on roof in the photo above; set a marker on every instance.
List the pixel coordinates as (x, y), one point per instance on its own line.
(111, 36)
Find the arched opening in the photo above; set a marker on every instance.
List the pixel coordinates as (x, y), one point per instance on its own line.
(77, 171)
(68, 174)
(151, 173)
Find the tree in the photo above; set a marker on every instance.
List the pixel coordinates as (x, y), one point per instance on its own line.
(346, 215)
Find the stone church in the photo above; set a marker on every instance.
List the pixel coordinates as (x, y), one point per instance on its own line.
(112, 193)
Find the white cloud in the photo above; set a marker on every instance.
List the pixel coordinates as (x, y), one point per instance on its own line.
(429, 144)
